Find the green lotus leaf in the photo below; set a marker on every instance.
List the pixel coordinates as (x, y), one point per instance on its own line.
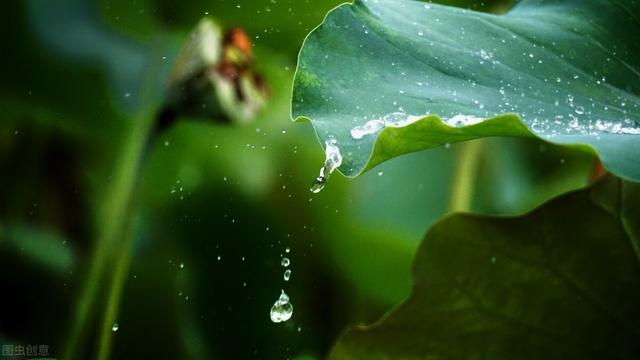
(554, 284)
(381, 78)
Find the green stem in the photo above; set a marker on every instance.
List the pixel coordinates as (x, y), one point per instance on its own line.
(114, 216)
(115, 292)
(464, 176)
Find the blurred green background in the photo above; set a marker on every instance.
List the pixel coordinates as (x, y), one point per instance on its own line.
(190, 227)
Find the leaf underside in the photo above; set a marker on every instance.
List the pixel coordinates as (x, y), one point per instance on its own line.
(565, 71)
(554, 284)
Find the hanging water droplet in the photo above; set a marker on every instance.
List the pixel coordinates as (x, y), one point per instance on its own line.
(285, 262)
(281, 309)
(115, 327)
(333, 159)
(287, 275)
(318, 184)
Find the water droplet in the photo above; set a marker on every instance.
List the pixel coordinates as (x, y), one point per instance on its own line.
(333, 159)
(463, 120)
(281, 309)
(573, 123)
(485, 55)
(395, 118)
(285, 262)
(380, 173)
(181, 265)
(287, 274)
(579, 110)
(371, 127)
(287, 250)
(318, 184)
(115, 327)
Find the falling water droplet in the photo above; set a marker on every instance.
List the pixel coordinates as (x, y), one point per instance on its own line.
(281, 309)
(115, 327)
(287, 274)
(285, 262)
